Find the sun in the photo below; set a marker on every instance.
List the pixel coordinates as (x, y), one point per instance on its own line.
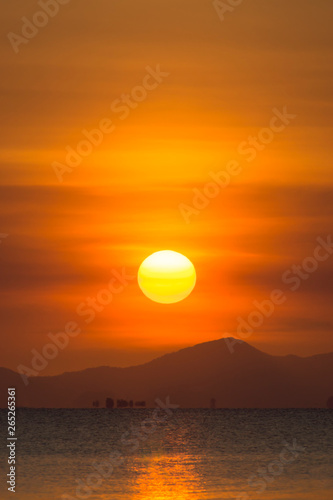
(166, 277)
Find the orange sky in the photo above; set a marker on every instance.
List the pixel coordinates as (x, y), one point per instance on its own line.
(121, 203)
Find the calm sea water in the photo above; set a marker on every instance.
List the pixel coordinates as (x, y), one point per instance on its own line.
(193, 454)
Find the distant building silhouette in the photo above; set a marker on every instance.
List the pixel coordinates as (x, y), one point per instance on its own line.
(109, 403)
(95, 403)
(122, 403)
(213, 403)
(330, 403)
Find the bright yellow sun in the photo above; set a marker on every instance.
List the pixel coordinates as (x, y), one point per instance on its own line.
(166, 277)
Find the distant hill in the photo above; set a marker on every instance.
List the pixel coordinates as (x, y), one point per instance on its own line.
(247, 378)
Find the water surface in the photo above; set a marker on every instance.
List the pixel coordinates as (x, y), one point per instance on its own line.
(192, 454)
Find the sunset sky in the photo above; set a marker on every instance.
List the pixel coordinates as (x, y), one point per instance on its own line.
(222, 81)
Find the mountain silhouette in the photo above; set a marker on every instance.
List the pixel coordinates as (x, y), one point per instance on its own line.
(191, 377)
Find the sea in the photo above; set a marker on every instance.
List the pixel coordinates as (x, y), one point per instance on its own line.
(170, 453)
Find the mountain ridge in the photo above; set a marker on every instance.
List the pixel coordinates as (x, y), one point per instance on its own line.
(192, 376)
